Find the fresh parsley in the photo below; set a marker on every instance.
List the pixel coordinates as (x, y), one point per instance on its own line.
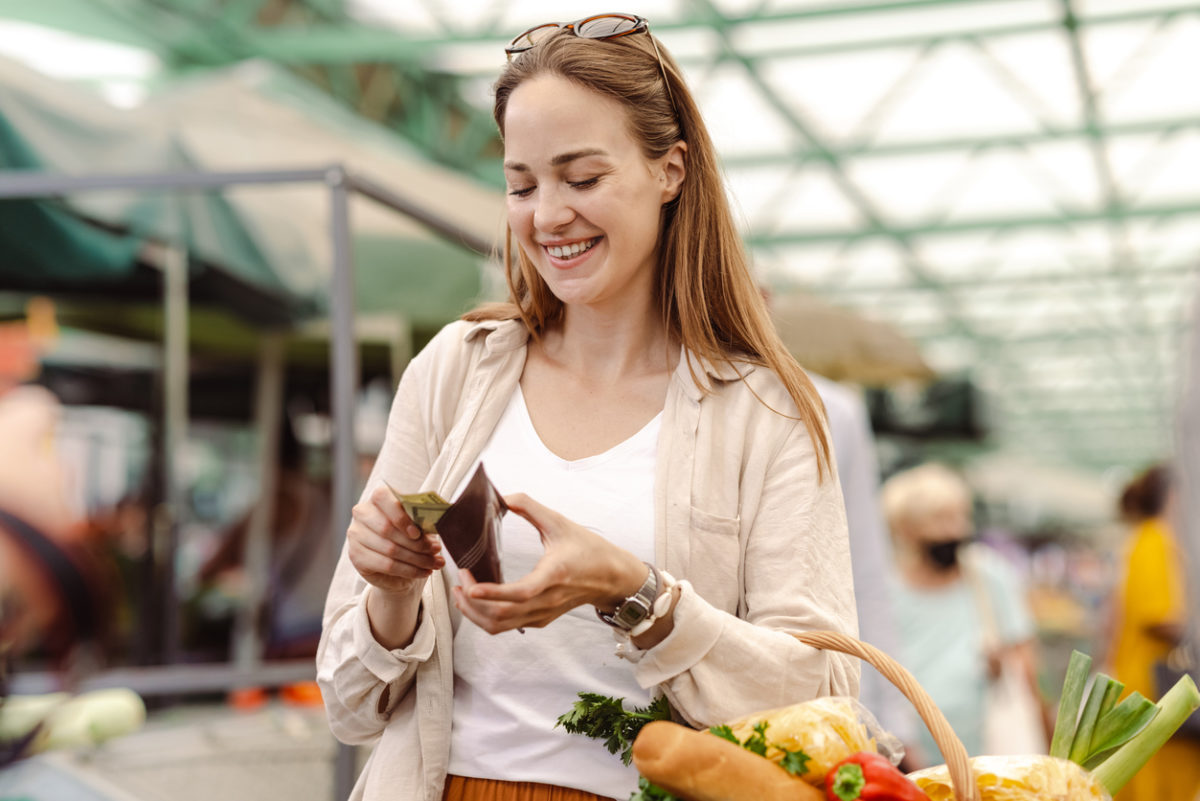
(650, 792)
(794, 762)
(603, 718)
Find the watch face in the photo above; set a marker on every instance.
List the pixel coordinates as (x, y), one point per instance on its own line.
(630, 614)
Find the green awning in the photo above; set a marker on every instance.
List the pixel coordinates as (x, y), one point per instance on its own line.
(265, 247)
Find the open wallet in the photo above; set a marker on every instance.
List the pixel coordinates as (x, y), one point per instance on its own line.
(470, 528)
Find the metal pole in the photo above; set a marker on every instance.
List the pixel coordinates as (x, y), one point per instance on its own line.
(175, 421)
(256, 550)
(343, 373)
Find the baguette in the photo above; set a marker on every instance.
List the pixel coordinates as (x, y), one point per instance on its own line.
(697, 766)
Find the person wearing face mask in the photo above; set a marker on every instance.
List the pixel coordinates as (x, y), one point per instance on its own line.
(959, 607)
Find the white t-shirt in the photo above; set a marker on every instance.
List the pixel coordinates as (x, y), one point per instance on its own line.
(510, 689)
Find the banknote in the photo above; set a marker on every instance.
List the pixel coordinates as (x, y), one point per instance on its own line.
(425, 508)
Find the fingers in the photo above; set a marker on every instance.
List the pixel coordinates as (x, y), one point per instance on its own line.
(384, 542)
(495, 617)
(523, 590)
(503, 607)
(389, 555)
(541, 517)
(381, 498)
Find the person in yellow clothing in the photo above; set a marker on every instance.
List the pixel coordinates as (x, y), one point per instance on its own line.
(1151, 607)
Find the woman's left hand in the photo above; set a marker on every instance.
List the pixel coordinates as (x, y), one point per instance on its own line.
(579, 567)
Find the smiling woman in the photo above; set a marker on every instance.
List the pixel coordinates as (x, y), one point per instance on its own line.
(635, 404)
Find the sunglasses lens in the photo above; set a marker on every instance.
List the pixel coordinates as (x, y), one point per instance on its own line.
(532, 37)
(606, 27)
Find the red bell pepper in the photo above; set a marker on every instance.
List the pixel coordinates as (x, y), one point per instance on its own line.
(870, 777)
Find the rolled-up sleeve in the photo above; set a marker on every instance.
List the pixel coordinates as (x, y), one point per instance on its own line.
(361, 681)
(795, 567)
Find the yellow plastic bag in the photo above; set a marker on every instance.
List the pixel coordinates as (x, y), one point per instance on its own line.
(1017, 778)
(826, 729)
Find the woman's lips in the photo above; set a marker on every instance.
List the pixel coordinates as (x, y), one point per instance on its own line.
(569, 255)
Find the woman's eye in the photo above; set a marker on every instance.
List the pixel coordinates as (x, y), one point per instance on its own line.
(523, 192)
(585, 184)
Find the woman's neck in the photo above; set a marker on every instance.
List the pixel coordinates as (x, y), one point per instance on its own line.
(611, 344)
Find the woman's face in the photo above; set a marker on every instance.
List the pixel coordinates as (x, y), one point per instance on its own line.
(945, 522)
(583, 202)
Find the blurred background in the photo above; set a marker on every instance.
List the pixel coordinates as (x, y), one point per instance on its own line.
(983, 216)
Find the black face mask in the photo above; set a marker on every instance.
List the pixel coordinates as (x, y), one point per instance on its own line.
(943, 555)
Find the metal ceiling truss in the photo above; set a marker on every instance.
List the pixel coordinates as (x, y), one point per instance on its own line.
(391, 76)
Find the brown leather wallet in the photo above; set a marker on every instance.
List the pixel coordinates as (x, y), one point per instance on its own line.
(470, 528)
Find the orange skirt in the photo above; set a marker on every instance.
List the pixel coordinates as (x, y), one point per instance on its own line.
(460, 788)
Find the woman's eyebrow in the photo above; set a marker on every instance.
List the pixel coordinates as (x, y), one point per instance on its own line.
(559, 160)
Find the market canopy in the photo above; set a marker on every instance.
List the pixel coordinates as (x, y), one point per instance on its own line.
(272, 240)
(1008, 182)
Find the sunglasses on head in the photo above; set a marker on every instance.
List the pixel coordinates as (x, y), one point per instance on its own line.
(600, 26)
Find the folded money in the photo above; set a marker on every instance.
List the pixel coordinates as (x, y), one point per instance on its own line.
(469, 527)
(424, 508)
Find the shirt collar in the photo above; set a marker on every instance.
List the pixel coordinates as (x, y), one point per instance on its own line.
(707, 373)
(500, 336)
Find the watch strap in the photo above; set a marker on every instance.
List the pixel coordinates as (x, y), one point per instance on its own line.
(637, 607)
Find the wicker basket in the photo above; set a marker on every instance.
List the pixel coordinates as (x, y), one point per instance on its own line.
(953, 751)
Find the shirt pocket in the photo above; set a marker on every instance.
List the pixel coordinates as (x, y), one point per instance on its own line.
(715, 568)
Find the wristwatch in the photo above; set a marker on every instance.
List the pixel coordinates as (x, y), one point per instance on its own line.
(636, 607)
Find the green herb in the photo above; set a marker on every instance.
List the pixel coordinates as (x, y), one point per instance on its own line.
(725, 733)
(756, 743)
(794, 762)
(603, 718)
(1068, 705)
(650, 792)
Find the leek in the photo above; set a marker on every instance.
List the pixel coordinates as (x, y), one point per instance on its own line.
(1119, 726)
(1111, 694)
(1082, 741)
(1173, 709)
(1068, 704)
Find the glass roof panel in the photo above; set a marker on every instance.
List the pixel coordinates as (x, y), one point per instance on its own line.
(1017, 196)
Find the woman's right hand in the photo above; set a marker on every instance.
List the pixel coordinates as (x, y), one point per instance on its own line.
(387, 549)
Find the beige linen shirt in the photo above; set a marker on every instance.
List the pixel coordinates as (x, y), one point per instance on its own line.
(759, 545)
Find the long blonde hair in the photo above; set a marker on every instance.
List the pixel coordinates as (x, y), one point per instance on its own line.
(706, 294)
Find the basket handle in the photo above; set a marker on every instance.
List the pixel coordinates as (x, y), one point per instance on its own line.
(953, 751)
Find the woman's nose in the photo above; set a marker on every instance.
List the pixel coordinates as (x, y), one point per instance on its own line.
(552, 212)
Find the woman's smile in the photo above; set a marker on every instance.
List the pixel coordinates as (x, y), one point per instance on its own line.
(564, 256)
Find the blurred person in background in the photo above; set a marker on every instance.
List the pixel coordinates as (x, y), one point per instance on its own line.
(55, 589)
(635, 383)
(301, 562)
(871, 554)
(45, 595)
(1149, 620)
(949, 593)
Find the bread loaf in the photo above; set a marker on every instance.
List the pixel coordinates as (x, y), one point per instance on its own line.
(697, 766)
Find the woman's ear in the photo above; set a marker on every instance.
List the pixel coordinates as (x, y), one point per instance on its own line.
(674, 170)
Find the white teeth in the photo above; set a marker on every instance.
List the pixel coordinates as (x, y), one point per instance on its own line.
(570, 251)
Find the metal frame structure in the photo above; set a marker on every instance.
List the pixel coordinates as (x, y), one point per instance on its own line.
(1075, 353)
(248, 667)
